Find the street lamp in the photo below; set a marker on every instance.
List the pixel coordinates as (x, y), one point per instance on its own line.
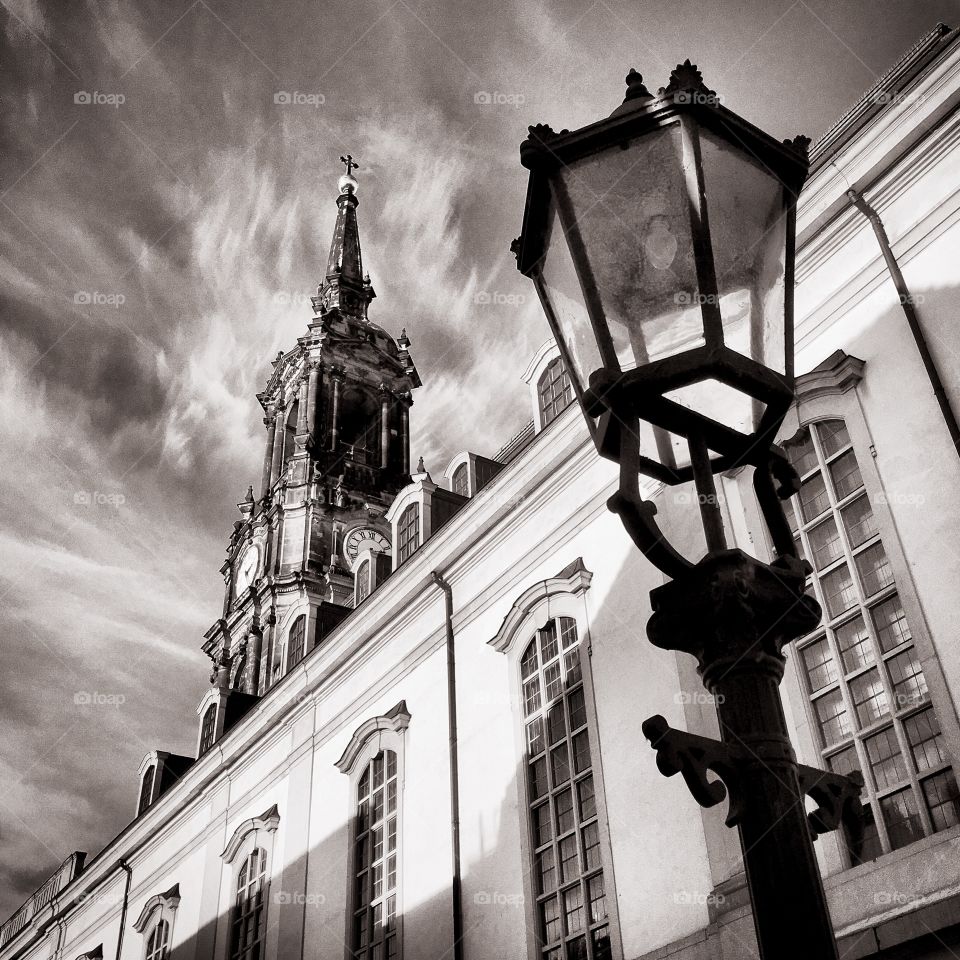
(660, 241)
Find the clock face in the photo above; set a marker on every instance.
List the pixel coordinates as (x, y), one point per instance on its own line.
(360, 539)
(246, 569)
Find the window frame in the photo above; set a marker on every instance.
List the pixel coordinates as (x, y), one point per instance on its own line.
(406, 538)
(830, 394)
(208, 731)
(549, 599)
(147, 791)
(551, 409)
(372, 737)
(300, 620)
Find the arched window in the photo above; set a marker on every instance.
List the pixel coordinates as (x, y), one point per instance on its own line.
(374, 927)
(571, 907)
(249, 920)
(290, 432)
(158, 943)
(146, 789)
(408, 532)
(360, 425)
(208, 728)
(554, 390)
(461, 480)
(296, 642)
(861, 669)
(363, 582)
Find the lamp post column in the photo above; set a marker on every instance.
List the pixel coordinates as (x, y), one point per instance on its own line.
(735, 615)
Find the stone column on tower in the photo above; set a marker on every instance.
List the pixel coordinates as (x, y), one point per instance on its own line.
(302, 434)
(313, 385)
(336, 375)
(266, 479)
(385, 397)
(279, 427)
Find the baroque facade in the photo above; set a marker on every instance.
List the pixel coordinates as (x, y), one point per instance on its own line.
(422, 736)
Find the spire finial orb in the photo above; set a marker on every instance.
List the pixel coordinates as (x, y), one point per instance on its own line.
(348, 182)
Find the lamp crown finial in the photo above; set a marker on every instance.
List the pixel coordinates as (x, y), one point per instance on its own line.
(799, 144)
(636, 88)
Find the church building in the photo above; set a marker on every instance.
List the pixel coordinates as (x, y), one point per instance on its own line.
(422, 735)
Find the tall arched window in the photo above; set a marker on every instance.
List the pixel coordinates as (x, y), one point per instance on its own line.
(146, 789)
(158, 943)
(249, 920)
(408, 532)
(571, 908)
(208, 728)
(861, 669)
(554, 390)
(374, 929)
(296, 642)
(461, 480)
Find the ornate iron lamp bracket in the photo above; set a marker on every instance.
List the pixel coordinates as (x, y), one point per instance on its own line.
(837, 797)
(694, 756)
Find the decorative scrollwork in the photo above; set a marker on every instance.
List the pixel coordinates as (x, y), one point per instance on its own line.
(837, 798)
(693, 756)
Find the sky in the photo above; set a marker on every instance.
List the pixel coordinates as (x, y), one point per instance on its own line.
(168, 177)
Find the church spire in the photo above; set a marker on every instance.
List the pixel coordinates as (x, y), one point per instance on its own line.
(344, 287)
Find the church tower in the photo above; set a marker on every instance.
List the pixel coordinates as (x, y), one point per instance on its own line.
(336, 451)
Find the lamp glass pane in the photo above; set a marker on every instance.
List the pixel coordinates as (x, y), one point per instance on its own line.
(564, 304)
(748, 223)
(627, 212)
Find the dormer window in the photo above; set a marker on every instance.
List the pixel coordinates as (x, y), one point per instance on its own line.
(408, 532)
(461, 480)
(208, 728)
(146, 790)
(296, 642)
(554, 391)
(363, 582)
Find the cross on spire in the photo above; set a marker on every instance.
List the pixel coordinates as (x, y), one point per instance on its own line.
(350, 162)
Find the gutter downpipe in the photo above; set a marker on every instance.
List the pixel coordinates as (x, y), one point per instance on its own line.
(123, 865)
(454, 765)
(913, 321)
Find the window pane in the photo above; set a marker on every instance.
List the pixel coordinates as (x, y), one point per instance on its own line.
(839, 593)
(546, 871)
(529, 664)
(790, 513)
(844, 761)
(550, 920)
(890, 623)
(869, 846)
(825, 543)
(813, 497)
(909, 684)
(859, 521)
(926, 741)
(553, 682)
(801, 453)
(943, 800)
(548, 642)
(846, 475)
(819, 665)
(834, 722)
(886, 761)
(573, 910)
(902, 818)
(564, 803)
(833, 436)
(588, 806)
(869, 697)
(535, 737)
(577, 709)
(569, 865)
(854, 644)
(542, 825)
(874, 569)
(591, 846)
(598, 900)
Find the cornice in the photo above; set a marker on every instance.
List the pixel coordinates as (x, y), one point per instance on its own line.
(269, 820)
(574, 580)
(169, 899)
(395, 720)
(837, 374)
